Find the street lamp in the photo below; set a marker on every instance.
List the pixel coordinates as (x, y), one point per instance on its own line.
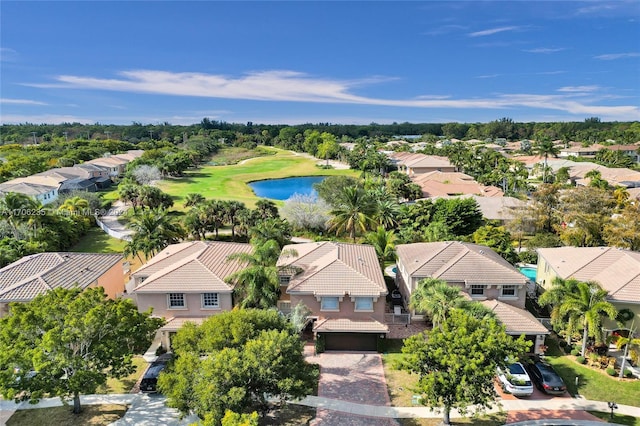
(612, 406)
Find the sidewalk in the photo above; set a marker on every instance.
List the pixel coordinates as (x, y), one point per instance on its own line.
(151, 409)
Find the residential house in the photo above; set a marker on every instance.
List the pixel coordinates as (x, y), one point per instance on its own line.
(416, 164)
(580, 151)
(186, 282)
(343, 286)
(41, 188)
(480, 273)
(24, 279)
(616, 270)
(632, 151)
(71, 179)
(440, 184)
(116, 163)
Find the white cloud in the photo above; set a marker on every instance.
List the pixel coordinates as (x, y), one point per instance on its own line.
(20, 102)
(613, 56)
(544, 50)
(7, 54)
(294, 86)
(578, 89)
(492, 31)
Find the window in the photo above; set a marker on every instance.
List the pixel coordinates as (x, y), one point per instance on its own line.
(329, 304)
(508, 290)
(284, 279)
(176, 301)
(364, 304)
(477, 290)
(210, 300)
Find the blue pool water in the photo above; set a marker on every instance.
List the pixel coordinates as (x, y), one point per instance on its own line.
(283, 189)
(529, 272)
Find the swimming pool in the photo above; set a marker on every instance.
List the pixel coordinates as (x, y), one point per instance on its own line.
(529, 272)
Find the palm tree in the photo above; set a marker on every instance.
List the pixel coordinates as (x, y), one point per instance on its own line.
(353, 212)
(16, 208)
(436, 298)
(194, 199)
(579, 304)
(74, 205)
(546, 148)
(383, 242)
(257, 285)
(231, 211)
(153, 230)
(274, 229)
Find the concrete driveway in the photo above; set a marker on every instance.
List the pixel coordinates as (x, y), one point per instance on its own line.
(354, 377)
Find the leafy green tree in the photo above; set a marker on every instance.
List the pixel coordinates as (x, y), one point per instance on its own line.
(235, 419)
(233, 361)
(332, 186)
(437, 231)
(587, 210)
(580, 303)
(624, 230)
(353, 212)
(461, 215)
(457, 361)
(497, 238)
(73, 340)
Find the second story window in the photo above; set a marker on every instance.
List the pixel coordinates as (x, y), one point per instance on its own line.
(477, 290)
(210, 300)
(176, 301)
(284, 279)
(508, 291)
(364, 304)
(330, 304)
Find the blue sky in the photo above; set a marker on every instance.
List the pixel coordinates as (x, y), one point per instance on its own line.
(340, 62)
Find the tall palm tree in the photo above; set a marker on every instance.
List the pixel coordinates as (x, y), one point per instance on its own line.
(257, 285)
(231, 211)
(153, 230)
(383, 242)
(582, 304)
(16, 209)
(436, 298)
(353, 212)
(546, 148)
(74, 205)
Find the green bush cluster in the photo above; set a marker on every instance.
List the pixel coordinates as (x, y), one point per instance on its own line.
(611, 371)
(581, 360)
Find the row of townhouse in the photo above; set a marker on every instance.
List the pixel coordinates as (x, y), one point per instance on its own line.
(89, 176)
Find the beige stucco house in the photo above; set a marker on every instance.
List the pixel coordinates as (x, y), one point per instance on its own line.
(186, 282)
(24, 279)
(616, 270)
(343, 286)
(480, 273)
(413, 164)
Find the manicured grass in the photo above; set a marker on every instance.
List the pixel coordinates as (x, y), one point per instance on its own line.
(617, 418)
(592, 384)
(125, 385)
(230, 182)
(399, 382)
(91, 415)
(97, 241)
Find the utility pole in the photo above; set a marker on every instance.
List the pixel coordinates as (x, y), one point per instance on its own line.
(35, 141)
(107, 133)
(151, 134)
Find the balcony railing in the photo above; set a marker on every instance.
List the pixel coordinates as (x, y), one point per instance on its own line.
(397, 319)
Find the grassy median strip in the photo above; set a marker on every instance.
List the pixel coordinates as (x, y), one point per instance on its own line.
(91, 415)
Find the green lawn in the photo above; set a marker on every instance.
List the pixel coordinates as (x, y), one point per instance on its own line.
(91, 415)
(230, 182)
(592, 384)
(97, 241)
(617, 418)
(125, 385)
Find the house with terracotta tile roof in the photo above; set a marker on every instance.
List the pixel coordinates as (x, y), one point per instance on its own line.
(616, 270)
(343, 286)
(480, 273)
(24, 279)
(442, 184)
(186, 282)
(414, 164)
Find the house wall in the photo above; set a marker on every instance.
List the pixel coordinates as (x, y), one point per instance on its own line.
(112, 281)
(159, 303)
(347, 308)
(48, 197)
(420, 170)
(544, 274)
(634, 307)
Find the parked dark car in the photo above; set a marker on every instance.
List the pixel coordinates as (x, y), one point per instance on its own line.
(546, 379)
(149, 381)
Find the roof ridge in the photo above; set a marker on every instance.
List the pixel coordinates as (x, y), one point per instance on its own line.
(167, 269)
(170, 254)
(606, 250)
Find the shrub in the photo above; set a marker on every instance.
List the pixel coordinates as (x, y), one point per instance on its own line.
(611, 371)
(575, 352)
(319, 344)
(563, 344)
(628, 373)
(581, 360)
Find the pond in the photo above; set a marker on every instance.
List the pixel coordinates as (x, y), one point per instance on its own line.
(529, 272)
(283, 189)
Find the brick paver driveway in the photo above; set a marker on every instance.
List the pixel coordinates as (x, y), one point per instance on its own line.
(354, 377)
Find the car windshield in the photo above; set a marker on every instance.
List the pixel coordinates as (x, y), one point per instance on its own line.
(516, 369)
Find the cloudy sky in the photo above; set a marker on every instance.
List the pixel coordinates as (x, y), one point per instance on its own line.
(340, 62)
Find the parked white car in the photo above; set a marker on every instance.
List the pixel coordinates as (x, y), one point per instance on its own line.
(515, 380)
